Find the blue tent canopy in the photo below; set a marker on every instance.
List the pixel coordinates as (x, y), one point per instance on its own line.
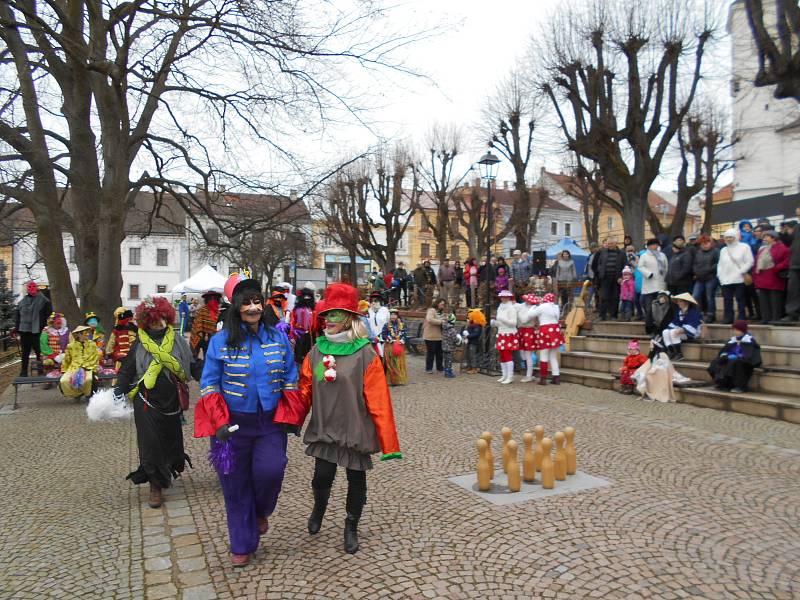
(579, 255)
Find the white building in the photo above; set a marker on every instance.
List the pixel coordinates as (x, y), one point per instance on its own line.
(768, 128)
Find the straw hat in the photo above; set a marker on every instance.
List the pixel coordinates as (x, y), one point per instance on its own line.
(686, 296)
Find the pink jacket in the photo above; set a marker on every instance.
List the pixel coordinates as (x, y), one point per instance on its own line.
(627, 289)
(768, 279)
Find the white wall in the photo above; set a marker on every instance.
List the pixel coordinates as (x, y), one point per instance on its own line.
(770, 159)
(148, 275)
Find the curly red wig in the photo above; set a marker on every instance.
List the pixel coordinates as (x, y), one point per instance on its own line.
(152, 310)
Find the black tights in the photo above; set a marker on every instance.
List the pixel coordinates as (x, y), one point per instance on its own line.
(325, 473)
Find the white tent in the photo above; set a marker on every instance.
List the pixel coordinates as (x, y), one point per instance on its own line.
(206, 279)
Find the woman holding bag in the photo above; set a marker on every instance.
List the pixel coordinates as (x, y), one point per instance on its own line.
(394, 349)
(154, 375)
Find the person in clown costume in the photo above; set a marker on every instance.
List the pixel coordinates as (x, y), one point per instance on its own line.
(342, 384)
(80, 365)
(549, 337)
(526, 330)
(122, 336)
(249, 369)
(507, 339)
(53, 343)
(97, 333)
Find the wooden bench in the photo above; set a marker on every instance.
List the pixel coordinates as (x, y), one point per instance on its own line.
(18, 381)
(414, 343)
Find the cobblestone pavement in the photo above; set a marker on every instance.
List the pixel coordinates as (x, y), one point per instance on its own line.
(704, 504)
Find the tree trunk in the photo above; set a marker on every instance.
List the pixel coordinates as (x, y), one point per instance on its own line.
(522, 229)
(633, 215)
(353, 269)
(50, 242)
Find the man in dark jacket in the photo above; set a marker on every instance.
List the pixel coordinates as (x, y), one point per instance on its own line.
(679, 273)
(29, 320)
(793, 285)
(401, 275)
(607, 266)
(704, 268)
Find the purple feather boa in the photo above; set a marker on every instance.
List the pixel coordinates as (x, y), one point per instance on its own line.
(221, 456)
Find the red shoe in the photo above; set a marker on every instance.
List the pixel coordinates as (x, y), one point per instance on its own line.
(240, 560)
(263, 525)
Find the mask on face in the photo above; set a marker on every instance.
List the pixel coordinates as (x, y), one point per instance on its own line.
(92, 322)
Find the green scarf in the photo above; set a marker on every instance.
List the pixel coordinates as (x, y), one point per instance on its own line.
(346, 349)
(162, 356)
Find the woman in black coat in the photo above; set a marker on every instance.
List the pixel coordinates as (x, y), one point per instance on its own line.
(734, 365)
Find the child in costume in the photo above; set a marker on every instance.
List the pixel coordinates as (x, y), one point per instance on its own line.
(343, 384)
(627, 294)
(734, 365)
(449, 343)
(507, 340)
(686, 324)
(394, 349)
(97, 334)
(526, 331)
(81, 362)
(630, 364)
(53, 343)
(549, 337)
(476, 321)
(501, 281)
(122, 336)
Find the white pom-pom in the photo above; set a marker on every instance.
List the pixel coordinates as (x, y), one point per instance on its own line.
(105, 406)
(330, 375)
(329, 361)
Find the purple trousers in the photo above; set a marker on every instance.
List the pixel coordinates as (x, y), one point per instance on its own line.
(251, 489)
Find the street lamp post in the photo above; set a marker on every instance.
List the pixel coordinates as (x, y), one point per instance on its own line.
(488, 166)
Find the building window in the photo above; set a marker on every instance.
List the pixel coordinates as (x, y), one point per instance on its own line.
(554, 228)
(401, 243)
(161, 289)
(135, 257)
(423, 225)
(232, 270)
(425, 250)
(133, 291)
(72, 255)
(610, 223)
(162, 254)
(567, 229)
(455, 252)
(212, 234)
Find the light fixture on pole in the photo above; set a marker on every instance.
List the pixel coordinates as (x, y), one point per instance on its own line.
(488, 167)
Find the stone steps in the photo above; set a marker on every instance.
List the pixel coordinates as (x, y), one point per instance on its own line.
(750, 403)
(780, 383)
(766, 335)
(771, 356)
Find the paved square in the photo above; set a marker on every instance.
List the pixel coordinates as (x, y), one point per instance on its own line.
(500, 495)
(702, 504)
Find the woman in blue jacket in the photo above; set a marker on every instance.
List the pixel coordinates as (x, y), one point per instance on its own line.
(249, 366)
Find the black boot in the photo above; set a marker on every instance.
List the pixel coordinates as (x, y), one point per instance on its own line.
(356, 498)
(351, 534)
(320, 505)
(678, 354)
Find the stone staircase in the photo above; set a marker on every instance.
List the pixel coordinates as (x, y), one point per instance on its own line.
(595, 357)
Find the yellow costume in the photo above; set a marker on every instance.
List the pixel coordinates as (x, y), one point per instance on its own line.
(79, 355)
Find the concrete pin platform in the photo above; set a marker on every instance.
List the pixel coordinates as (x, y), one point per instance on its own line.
(500, 496)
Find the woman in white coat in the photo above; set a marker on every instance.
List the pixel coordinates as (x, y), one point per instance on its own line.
(653, 266)
(507, 340)
(549, 337)
(733, 267)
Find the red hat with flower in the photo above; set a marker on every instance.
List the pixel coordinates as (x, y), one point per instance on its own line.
(549, 298)
(340, 296)
(531, 299)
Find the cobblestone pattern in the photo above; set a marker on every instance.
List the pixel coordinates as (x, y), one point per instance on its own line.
(704, 504)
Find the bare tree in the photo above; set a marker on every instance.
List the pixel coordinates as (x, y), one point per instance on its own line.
(444, 144)
(617, 78)
(511, 112)
(779, 48)
(719, 154)
(95, 97)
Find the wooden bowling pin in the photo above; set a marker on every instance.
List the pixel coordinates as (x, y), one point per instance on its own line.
(528, 464)
(548, 477)
(538, 432)
(514, 482)
(484, 477)
(486, 435)
(572, 461)
(560, 462)
(505, 432)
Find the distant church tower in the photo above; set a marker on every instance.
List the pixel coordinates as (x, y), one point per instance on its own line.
(769, 129)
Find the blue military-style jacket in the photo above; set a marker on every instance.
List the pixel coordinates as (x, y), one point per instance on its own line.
(258, 372)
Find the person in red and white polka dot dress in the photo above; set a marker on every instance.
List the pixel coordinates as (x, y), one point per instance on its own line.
(507, 340)
(549, 338)
(526, 332)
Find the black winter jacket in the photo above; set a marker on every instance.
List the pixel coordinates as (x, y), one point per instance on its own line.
(705, 264)
(680, 268)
